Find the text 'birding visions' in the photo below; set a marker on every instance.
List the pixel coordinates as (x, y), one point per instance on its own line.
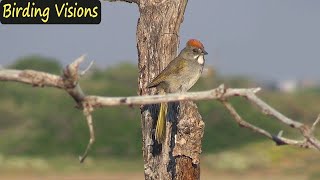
(50, 12)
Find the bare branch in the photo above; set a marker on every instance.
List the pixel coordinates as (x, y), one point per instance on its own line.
(68, 81)
(268, 110)
(218, 93)
(309, 140)
(278, 139)
(87, 112)
(32, 77)
(71, 71)
(243, 123)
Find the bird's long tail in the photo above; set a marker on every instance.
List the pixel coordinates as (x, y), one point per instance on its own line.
(161, 123)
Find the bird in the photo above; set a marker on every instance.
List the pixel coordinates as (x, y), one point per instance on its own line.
(178, 76)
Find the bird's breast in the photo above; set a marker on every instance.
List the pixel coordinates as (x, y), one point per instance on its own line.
(191, 78)
(185, 79)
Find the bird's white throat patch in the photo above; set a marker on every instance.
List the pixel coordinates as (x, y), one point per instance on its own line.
(200, 59)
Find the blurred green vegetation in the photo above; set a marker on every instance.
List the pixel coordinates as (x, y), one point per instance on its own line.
(42, 121)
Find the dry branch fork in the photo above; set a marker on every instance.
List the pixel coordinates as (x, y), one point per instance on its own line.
(69, 82)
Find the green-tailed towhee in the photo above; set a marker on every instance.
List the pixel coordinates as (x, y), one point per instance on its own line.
(179, 76)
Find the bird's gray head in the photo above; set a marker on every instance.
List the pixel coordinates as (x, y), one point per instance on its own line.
(194, 50)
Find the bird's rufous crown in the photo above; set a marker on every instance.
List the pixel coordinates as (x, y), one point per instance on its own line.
(195, 43)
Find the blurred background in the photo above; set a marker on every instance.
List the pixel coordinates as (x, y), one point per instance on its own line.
(272, 44)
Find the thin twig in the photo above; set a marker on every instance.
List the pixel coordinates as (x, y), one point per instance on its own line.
(82, 73)
(316, 122)
(87, 110)
(309, 140)
(278, 139)
(267, 109)
(243, 123)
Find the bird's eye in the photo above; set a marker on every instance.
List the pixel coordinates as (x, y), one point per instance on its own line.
(195, 50)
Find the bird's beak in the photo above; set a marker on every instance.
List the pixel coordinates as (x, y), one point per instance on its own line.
(204, 52)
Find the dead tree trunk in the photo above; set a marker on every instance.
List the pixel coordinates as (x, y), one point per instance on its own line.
(157, 43)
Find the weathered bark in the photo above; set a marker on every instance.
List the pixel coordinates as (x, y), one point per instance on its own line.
(157, 43)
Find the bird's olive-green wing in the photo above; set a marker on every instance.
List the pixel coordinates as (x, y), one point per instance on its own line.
(174, 67)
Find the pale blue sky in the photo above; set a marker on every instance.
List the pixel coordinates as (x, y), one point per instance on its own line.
(269, 39)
